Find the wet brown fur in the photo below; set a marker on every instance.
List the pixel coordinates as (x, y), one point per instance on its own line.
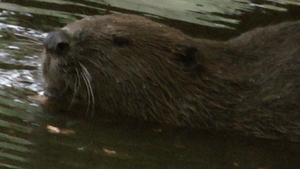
(132, 66)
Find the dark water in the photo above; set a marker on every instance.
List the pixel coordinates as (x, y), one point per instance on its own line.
(34, 138)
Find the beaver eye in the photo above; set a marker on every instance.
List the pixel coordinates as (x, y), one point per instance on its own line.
(120, 41)
(188, 57)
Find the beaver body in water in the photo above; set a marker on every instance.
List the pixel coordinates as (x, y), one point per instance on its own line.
(131, 66)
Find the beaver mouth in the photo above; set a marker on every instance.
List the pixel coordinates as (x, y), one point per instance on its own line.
(71, 78)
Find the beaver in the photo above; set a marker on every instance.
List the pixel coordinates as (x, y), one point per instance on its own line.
(130, 66)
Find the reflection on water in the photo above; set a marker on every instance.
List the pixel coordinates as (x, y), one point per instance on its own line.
(32, 138)
(16, 126)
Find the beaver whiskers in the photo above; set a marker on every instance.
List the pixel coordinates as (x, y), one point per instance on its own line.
(85, 75)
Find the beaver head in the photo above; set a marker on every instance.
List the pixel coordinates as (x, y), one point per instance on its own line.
(123, 63)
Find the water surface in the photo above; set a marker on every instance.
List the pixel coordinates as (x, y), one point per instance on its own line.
(34, 138)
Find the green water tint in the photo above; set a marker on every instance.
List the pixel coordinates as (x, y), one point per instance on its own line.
(212, 13)
(26, 142)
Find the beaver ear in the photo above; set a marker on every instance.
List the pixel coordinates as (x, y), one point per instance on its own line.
(187, 57)
(120, 41)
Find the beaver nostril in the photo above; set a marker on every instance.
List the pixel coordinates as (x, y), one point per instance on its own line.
(62, 47)
(57, 41)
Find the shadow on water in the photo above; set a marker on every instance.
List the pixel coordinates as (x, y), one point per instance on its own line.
(66, 142)
(34, 138)
(125, 143)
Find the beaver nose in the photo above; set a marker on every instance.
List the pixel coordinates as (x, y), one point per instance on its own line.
(57, 41)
